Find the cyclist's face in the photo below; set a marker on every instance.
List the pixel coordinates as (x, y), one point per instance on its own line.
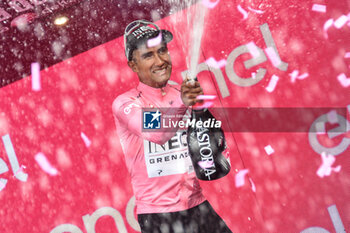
(152, 64)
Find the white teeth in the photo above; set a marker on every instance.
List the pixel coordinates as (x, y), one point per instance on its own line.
(160, 71)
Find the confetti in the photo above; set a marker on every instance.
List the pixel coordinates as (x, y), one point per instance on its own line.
(303, 76)
(332, 117)
(85, 139)
(207, 104)
(326, 167)
(206, 164)
(239, 178)
(35, 70)
(253, 185)
(347, 55)
(253, 49)
(319, 8)
(272, 55)
(45, 165)
(269, 150)
(343, 80)
(155, 41)
(340, 22)
(272, 83)
(253, 75)
(216, 64)
(294, 75)
(244, 12)
(3, 183)
(326, 26)
(210, 4)
(256, 11)
(206, 97)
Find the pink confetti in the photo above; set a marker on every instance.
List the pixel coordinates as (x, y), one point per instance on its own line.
(340, 22)
(244, 12)
(269, 150)
(239, 178)
(253, 185)
(206, 164)
(332, 117)
(35, 69)
(206, 97)
(45, 164)
(210, 4)
(253, 49)
(343, 80)
(256, 11)
(206, 104)
(216, 64)
(319, 8)
(326, 167)
(272, 55)
(85, 139)
(326, 26)
(347, 55)
(272, 83)
(154, 41)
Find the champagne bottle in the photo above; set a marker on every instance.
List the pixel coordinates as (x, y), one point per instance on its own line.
(205, 145)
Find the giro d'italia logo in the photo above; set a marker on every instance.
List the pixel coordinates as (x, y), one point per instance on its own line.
(151, 120)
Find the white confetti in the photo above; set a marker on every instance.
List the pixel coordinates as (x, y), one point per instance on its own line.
(343, 80)
(326, 26)
(244, 12)
(206, 164)
(319, 8)
(341, 21)
(206, 97)
(45, 164)
(326, 167)
(347, 55)
(210, 4)
(85, 139)
(256, 11)
(154, 41)
(239, 178)
(269, 150)
(35, 70)
(253, 185)
(272, 84)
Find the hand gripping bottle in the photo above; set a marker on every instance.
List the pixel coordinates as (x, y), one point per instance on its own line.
(206, 144)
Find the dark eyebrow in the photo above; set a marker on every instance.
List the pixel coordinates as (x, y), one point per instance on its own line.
(144, 55)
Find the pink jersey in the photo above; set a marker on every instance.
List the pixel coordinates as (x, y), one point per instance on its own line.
(161, 170)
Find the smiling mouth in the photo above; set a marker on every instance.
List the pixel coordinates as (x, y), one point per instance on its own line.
(161, 71)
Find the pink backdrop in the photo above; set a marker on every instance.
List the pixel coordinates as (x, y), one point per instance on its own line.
(91, 190)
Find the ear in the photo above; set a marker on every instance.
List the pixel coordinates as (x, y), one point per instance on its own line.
(133, 66)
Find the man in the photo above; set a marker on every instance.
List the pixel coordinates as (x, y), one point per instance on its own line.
(168, 195)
